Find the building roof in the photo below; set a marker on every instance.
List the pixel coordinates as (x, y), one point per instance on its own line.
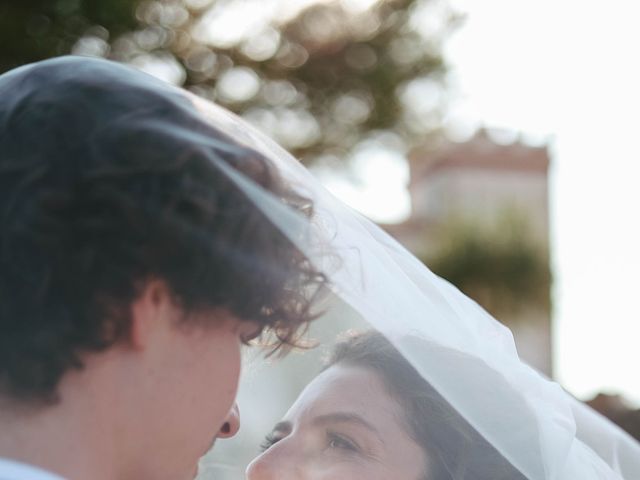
(480, 153)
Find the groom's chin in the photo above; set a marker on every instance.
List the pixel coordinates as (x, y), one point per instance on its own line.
(210, 447)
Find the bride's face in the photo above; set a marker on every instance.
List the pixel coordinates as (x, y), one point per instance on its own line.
(344, 425)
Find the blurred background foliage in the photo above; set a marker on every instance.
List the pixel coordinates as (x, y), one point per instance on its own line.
(321, 77)
(32, 30)
(318, 76)
(501, 267)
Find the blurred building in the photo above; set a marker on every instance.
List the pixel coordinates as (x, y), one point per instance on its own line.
(481, 182)
(478, 180)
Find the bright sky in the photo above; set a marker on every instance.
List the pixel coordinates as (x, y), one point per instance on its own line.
(570, 69)
(568, 72)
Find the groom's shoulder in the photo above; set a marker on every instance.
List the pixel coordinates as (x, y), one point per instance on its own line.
(13, 470)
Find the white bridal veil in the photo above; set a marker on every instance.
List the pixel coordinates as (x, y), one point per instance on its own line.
(468, 357)
(464, 353)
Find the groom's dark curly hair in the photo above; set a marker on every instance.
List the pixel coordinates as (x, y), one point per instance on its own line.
(109, 178)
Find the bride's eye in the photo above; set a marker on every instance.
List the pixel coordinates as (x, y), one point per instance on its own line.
(341, 442)
(269, 441)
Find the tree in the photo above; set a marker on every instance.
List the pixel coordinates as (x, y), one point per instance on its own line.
(320, 79)
(501, 268)
(32, 30)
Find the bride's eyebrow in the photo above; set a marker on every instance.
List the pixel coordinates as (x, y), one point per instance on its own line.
(346, 417)
(282, 427)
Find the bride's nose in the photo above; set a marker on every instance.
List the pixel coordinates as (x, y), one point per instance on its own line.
(232, 423)
(270, 469)
(280, 462)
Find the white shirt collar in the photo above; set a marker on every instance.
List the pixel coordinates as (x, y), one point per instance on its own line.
(12, 470)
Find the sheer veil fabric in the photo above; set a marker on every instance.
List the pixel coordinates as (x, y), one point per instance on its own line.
(467, 356)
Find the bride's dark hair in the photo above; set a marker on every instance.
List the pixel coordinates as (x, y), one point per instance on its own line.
(109, 178)
(453, 448)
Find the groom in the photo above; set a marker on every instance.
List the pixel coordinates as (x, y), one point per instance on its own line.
(132, 269)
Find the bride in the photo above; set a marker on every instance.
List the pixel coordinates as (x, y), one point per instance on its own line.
(370, 415)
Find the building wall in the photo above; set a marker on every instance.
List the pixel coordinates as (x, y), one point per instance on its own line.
(480, 182)
(483, 196)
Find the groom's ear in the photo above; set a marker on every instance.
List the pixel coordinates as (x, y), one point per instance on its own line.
(152, 313)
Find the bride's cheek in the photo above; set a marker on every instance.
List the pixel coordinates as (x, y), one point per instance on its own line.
(343, 462)
(342, 470)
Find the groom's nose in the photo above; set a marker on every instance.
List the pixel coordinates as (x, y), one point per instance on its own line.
(232, 423)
